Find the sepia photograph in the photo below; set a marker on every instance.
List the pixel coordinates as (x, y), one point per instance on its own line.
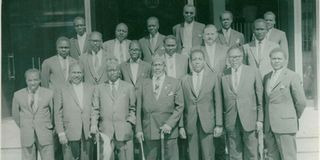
(160, 80)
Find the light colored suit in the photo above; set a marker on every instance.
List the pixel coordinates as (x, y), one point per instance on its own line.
(52, 75)
(220, 58)
(90, 75)
(75, 51)
(36, 126)
(235, 38)
(196, 34)
(144, 71)
(279, 37)
(117, 116)
(202, 113)
(147, 51)
(182, 65)
(251, 56)
(108, 46)
(152, 113)
(242, 109)
(284, 105)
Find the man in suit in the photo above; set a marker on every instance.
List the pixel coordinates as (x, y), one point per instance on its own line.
(114, 106)
(80, 43)
(257, 51)
(275, 35)
(151, 44)
(159, 108)
(135, 69)
(177, 64)
(32, 111)
(188, 33)
(227, 35)
(215, 52)
(94, 61)
(243, 113)
(73, 107)
(119, 47)
(203, 108)
(284, 104)
(55, 70)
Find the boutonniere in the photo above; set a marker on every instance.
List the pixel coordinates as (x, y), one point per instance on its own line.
(282, 87)
(238, 41)
(170, 93)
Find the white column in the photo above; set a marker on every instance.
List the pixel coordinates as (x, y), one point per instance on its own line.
(87, 11)
(218, 6)
(298, 37)
(190, 2)
(317, 50)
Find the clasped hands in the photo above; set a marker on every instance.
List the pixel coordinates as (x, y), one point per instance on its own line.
(217, 132)
(166, 129)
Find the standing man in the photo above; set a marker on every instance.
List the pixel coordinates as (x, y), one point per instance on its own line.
(32, 111)
(243, 113)
(275, 35)
(114, 110)
(73, 107)
(159, 108)
(94, 61)
(258, 50)
(284, 102)
(135, 70)
(152, 44)
(189, 32)
(80, 43)
(177, 64)
(55, 70)
(203, 112)
(215, 52)
(227, 35)
(119, 47)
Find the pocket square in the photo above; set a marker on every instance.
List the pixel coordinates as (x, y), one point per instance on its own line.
(170, 93)
(238, 40)
(282, 87)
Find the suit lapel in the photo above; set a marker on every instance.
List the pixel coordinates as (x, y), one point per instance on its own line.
(73, 94)
(191, 85)
(128, 69)
(77, 45)
(158, 42)
(203, 86)
(91, 68)
(140, 70)
(229, 80)
(102, 67)
(60, 67)
(163, 88)
(86, 45)
(241, 81)
(207, 59)
(27, 101)
(280, 78)
(181, 32)
(252, 47)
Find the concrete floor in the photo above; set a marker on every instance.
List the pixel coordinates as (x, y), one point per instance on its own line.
(307, 137)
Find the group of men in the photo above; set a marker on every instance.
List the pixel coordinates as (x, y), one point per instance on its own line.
(202, 85)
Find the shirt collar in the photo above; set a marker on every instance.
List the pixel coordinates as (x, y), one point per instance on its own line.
(167, 56)
(61, 58)
(155, 36)
(239, 68)
(200, 73)
(98, 53)
(131, 61)
(123, 41)
(77, 85)
(226, 30)
(116, 83)
(36, 92)
(161, 77)
(188, 24)
(262, 42)
(278, 71)
(84, 35)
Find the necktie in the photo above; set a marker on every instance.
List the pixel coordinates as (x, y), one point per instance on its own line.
(259, 51)
(153, 41)
(272, 81)
(96, 62)
(157, 86)
(113, 89)
(32, 102)
(198, 84)
(226, 36)
(121, 53)
(236, 79)
(64, 67)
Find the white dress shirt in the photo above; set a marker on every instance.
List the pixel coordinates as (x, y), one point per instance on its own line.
(81, 41)
(171, 65)
(120, 49)
(195, 79)
(153, 41)
(134, 66)
(187, 37)
(78, 89)
(99, 54)
(211, 53)
(64, 62)
(160, 81)
(235, 84)
(263, 42)
(35, 99)
(226, 34)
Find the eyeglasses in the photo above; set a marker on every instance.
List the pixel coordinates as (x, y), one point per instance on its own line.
(235, 57)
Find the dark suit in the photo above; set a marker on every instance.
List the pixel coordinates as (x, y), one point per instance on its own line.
(242, 109)
(152, 113)
(36, 126)
(147, 51)
(284, 105)
(202, 113)
(235, 38)
(220, 58)
(75, 51)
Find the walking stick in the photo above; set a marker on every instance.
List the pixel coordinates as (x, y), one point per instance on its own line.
(142, 151)
(162, 145)
(260, 143)
(98, 145)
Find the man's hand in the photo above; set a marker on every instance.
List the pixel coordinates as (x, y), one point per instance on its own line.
(182, 133)
(63, 138)
(217, 131)
(259, 126)
(166, 129)
(93, 130)
(139, 136)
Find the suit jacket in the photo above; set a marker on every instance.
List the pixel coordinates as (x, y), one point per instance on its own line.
(235, 38)
(108, 46)
(31, 122)
(207, 106)
(75, 48)
(152, 113)
(147, 52)
(52, 75)
(285, 103)
(117, 114)
(196, 34)
(251, 57)
(245, 102)
(182, 65)
(144, 71)
(220, 58)
(90, 75)
(69, 116)
(279, 37)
